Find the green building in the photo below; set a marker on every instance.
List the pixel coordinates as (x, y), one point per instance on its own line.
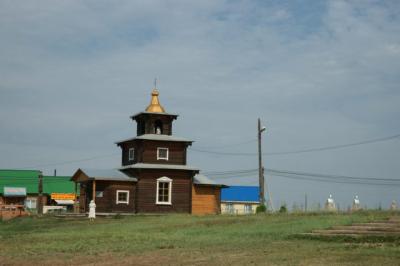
(22, 187)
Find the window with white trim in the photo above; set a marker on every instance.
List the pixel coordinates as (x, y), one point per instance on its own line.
(122, 197)
(164, 190)
(162, 154)
(131, 154)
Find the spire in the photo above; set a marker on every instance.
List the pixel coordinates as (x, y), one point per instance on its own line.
(155, 106)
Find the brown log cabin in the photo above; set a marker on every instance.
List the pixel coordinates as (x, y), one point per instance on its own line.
(154, 176)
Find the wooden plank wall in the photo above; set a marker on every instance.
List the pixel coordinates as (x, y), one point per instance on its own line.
(146, 152)
(108, 203)
(82, 197)
(181, 191)
(206, 200)
(176, 152)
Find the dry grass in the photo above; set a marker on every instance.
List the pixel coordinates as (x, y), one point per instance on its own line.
(190, 240)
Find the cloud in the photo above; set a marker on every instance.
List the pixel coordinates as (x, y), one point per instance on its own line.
(325, 73)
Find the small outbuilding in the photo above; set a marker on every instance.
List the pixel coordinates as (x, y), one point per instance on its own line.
(240, 199)
(206, 195)
(112, 190)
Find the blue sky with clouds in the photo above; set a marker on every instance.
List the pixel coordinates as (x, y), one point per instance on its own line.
(318, 73)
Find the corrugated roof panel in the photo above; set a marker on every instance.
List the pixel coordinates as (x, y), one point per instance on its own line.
(58, 184)
(157, 137)
(29, 179)
(200, 179)
(240, 193)
(107, 174)
(159, 166)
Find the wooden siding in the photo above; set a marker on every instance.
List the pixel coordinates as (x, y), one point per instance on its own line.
(206, 200)
(82, 197)
(146, 152)
(136, 144)
(181, 191)
(108, 203)
(176, 152)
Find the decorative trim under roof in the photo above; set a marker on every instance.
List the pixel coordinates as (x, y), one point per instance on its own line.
(159, 166)
(157, 137)
(153, 113)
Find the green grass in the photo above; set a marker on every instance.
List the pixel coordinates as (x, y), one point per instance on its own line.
(185, 239)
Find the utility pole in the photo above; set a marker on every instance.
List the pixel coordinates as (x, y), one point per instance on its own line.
(40, 197)
(260, 166)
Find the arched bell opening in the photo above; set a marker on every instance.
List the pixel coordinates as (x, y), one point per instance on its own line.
(158, 127)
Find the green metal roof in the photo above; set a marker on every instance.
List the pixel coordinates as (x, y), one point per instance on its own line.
(30, 178)
(58, 184)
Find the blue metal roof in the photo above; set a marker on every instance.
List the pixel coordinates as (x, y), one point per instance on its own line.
(240, 193)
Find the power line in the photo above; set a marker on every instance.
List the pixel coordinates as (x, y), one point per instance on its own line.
(296, 174)
(324, 148)
(272, 171)
(230, 145)
(231, 153)
(335, 147)
(231, 171)
(223, 153)
(72, 161)
(334, 181)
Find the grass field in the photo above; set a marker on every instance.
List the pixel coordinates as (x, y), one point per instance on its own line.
(191, 240)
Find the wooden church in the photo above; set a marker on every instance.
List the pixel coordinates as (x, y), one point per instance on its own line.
(154, 176)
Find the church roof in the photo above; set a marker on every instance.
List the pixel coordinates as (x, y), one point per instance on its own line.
(152, 113)
(155, 106)
(159, 166)
(158, 137)
(240, 194)
(106, 174)
(200, 179)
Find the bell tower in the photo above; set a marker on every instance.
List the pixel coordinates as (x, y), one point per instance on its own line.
(154, 120)
(157, 159)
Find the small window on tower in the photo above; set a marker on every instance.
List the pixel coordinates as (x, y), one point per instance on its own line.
(162, 154)
(158, 127)
(131, 154)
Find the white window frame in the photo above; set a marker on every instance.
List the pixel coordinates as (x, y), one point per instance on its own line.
(164, 179)
(127, 197)
(158, 154)
(131, 158)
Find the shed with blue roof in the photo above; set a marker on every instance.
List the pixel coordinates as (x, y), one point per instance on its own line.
(239, 199)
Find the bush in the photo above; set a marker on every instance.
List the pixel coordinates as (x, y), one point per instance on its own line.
(283, 209)
(118, 216)
(261, 209)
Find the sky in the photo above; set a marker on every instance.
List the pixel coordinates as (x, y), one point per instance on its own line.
(317, 73)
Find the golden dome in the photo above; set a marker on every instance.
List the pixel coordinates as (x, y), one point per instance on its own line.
(155, 106)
